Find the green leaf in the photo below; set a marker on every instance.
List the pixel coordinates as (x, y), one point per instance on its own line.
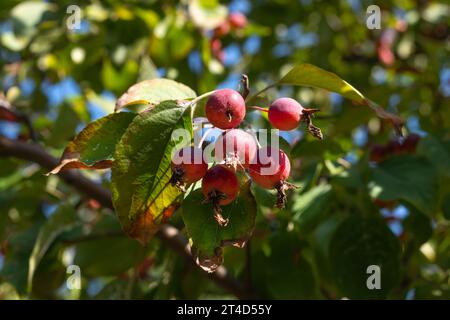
(108, 256)
(94, 146)
(288, 274)
(147, 69)
(322, 238)
(446, 207)
(142, 194)
(12, 42)
(30, 13)
(49, 275)
(358, 243)
(207, 14)
(8, 292)
(154, 92)
(25, 18)
(408, 178)
(312, 76)
(431, 148)
(207, 236)
(264, 197)
(181, 43)
(310, 207)
(418, 228)
(64, 219)
(64, 126)
(116, 79)
(426, 290)
(15, 268)
(117, 289)
(104, 250)
(313, 150)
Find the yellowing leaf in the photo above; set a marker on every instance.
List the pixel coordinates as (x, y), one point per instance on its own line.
(142, 195)
(93, 147)
(154, 92)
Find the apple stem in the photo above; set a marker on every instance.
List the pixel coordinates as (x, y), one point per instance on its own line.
(258, 108)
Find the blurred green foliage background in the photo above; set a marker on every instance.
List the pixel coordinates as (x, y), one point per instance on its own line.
(356, 204)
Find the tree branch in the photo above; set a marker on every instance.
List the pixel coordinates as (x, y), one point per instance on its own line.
(168, 234)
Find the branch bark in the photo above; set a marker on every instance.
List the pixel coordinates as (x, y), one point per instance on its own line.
(168, 234)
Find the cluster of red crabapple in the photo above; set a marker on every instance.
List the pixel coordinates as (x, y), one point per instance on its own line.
(408, 145)
(235, 21)
(236, 150)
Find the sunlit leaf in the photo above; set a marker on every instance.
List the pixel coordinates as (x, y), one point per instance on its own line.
(94, 146)
(142, 195)
(118, 79)
(312, 76)
(310, 207)
(207, 14)
(153, 92)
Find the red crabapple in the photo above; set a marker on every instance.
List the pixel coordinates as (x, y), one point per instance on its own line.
(377, 153)
(188, 166)
(285, 114)
(270, 170)
(225, 109)
(236, 147)
(215, 44)
(220, 185)
(385, 55)
(393, 147)
(222, 30)
(237, 20)
(216, 49)
(385, 204)
(220, 181)
(410, 143)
